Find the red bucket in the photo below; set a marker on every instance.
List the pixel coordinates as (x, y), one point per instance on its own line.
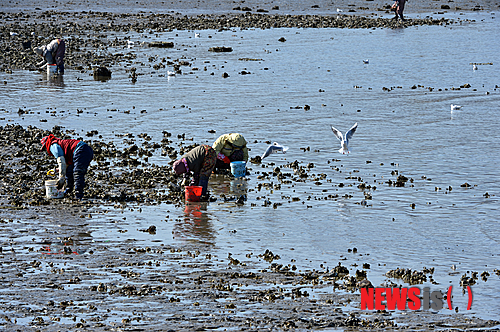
(193, 193)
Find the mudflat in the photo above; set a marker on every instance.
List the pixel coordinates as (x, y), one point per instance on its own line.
(55, 277)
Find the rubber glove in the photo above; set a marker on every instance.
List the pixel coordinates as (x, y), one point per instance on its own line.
(61, 162)
(222, 157)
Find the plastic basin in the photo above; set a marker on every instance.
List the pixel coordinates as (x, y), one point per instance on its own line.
(193, 193)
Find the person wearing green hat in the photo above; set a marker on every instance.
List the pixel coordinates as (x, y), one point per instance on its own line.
(230, 147)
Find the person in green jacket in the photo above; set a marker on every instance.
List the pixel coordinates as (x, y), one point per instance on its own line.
(200, 161)
(230, 147)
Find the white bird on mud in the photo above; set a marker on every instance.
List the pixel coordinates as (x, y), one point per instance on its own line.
(339, 10)
(455, 107)
(366, 61)
(196, 35)
(474, 67)
(274, 148)
(345, 139)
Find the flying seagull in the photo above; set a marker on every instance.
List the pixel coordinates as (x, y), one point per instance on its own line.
(345, 139)
(274, 148)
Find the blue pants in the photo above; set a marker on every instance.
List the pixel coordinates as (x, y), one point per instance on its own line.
(57, 61)
(75, 174)
(49, 58)
(60, 67)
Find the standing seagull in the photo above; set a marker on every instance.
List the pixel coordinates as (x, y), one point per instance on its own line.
(345, 139)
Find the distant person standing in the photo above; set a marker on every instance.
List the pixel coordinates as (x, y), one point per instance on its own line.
(53, 54)
(399, 7)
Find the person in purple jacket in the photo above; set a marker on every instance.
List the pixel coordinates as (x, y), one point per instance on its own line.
(200, 161)
(53, 54)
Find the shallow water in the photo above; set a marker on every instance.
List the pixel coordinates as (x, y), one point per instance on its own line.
(408, 130)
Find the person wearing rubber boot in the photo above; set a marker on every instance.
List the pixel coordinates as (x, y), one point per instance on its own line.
(73, 158)
(200, 161)
(230, 147)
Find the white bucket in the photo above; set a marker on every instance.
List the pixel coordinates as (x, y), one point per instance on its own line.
(51, 189)
(51, 69)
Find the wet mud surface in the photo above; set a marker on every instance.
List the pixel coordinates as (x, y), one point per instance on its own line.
(63, 281)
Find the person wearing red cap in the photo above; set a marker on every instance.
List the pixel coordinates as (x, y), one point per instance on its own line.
(200, 161)
(73, 158)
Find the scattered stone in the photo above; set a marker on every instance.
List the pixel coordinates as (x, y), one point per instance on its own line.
(220, 49)
(161, 44)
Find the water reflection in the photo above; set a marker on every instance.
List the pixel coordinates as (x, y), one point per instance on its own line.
(77, 244)
(102, 78)
(196, 225)
(238, 186)
(52, 80)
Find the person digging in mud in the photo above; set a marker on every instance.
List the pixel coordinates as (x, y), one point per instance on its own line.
(200, 161)
(230, 147)
(73, 158)
(53, 54)
(398, 7)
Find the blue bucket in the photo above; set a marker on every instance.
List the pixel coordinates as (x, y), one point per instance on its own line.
(238, 168)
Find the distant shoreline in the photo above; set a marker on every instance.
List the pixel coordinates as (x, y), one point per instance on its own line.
(273, 7)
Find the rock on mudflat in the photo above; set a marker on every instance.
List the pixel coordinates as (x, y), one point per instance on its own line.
(161, 44)
(101, 72)
(220, 49)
